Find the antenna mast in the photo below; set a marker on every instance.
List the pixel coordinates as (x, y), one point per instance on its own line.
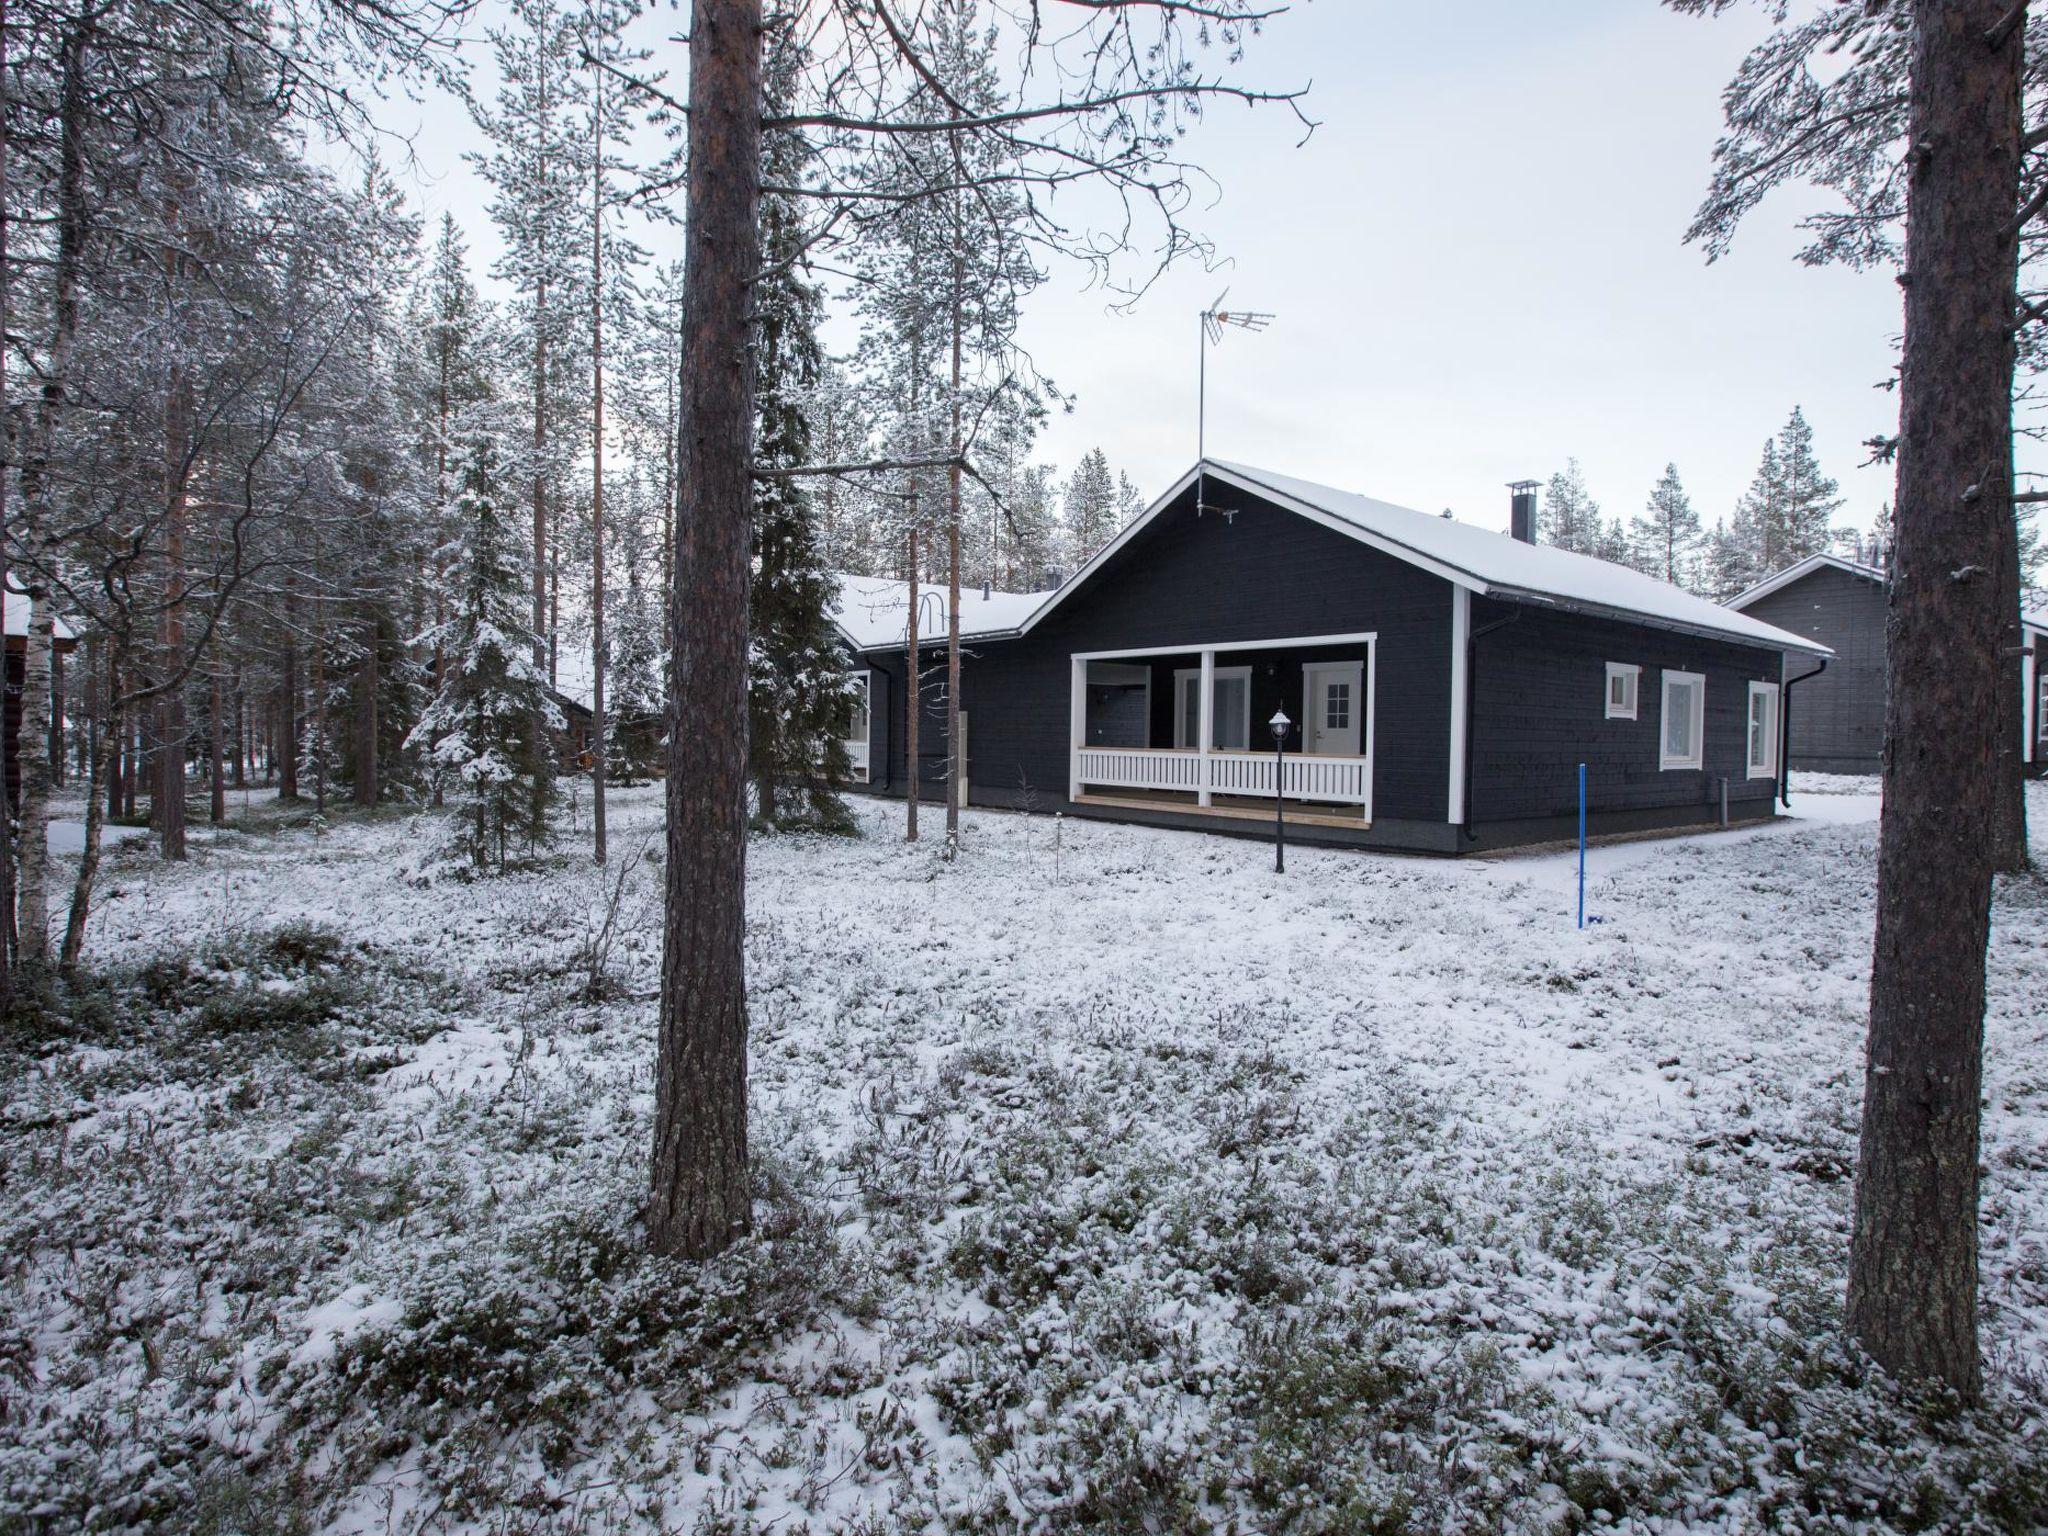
(1214, 319)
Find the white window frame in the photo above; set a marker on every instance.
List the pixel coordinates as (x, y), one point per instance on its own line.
(864, 742)
(1697, 757)
(1634, 675)
(1768, 768)
(1308, 692)
(1185, 730)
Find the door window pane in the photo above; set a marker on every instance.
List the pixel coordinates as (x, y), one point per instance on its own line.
(1337, 707)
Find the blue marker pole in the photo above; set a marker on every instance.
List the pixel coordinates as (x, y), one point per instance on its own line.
(1582, 845)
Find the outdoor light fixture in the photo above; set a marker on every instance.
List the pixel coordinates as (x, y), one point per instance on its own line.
(1279, 723)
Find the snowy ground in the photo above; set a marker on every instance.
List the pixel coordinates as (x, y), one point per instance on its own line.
(1109, 1182)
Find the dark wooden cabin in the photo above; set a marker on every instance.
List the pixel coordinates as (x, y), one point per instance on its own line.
(14, 623)
(1838, 724)
(1441, 682)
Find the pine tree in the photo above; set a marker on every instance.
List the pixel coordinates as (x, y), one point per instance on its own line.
(1571, 517)
(1784, 516)
(797, 690)
(1664, 540)
(539, 131)
(489, 731)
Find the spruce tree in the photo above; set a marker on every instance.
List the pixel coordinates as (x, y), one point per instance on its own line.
(1091, 510)
(489, 732)
(797, 689)
(1807, 498)
(1746, 558)
(1664, 540)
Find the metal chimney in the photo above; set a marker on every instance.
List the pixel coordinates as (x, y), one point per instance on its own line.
(1522, 510)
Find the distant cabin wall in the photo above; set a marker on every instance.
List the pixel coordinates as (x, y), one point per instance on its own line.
(2034, 705)
(1210, 580)
(1838, 718)
(1540, 709)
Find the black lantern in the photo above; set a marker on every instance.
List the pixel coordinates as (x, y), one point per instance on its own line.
(1279, 723)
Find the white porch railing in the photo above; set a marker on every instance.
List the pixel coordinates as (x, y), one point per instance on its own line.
(857, 758)
(1339, 780)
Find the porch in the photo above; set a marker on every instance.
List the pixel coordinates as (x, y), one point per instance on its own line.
(1185, 728)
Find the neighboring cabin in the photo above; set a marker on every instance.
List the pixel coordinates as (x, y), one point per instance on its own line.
(1442, 682)
(1837, 722)
(14, 623)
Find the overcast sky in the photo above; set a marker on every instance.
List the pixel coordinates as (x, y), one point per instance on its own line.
(1476, 264)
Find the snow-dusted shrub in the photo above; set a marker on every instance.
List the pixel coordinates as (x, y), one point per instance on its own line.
(529, 1332)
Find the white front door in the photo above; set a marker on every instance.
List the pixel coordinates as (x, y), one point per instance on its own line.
(1333, 708)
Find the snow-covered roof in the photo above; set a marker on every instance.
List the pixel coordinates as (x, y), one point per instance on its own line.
(17, 617)
(1484, 561)
(1801, 569)
(873, 611)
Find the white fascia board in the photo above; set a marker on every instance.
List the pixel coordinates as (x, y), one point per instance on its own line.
(1798, 572)
(1280, 499)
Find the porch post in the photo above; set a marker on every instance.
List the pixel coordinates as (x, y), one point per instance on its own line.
(1077, 727)
(1205, 712)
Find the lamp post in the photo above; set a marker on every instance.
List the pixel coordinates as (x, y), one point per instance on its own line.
(1279, 723)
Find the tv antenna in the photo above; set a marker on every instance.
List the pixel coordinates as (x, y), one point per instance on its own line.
(1214, 319)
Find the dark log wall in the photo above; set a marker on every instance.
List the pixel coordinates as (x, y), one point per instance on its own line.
(1838, 718)
(1540, 696)
(1186, 581)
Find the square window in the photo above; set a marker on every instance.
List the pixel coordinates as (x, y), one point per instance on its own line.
(1681, 738)
(1621, 690)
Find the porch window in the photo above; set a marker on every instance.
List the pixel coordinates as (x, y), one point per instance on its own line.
(1622, 678)
(1763, 730)
(1684, 727)
(1119, 705)
(856, 733)
(1231, 709)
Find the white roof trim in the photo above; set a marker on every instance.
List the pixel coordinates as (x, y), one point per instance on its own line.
(1799, 571)
(1245, 478)
(1244, 483)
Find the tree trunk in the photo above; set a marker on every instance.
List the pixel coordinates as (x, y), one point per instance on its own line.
(320, 753)
(366, 719)
(956, 759)
(35, 781)
(171, 736)
(7, 927)
(597, 472)
(700, 1197)
(540, 500)
(88, 860)
(33, 897)
(1912, 1296)
(216, 767)
(287, 713)
(911, 703)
